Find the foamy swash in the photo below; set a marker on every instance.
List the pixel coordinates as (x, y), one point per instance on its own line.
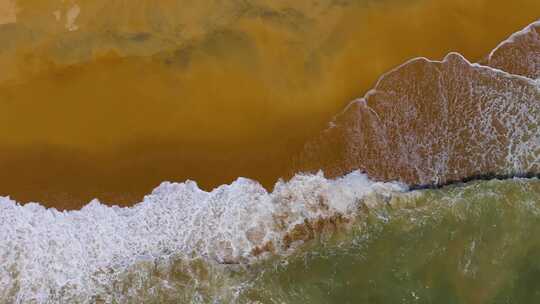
(431, 122)
(519, 54)
(425, 122)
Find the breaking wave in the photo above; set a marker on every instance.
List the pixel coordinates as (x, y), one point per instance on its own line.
(73, 255)
(241, 244)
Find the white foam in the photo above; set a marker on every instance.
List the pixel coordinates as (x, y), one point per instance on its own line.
(512, 39)
(520, 53)
(46, 254)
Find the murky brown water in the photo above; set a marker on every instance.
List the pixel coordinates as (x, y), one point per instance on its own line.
(109, 98)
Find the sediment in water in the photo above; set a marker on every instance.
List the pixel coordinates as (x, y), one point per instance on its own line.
(430, 123)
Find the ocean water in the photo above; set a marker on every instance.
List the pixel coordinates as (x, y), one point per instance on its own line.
(473, 243)
(425, 190)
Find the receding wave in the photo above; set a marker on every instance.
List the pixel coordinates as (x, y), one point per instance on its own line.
(431, 122)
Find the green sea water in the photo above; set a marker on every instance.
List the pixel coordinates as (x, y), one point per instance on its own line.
(472, 243)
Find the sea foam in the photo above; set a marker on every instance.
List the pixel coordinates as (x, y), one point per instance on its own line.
(46, 254)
